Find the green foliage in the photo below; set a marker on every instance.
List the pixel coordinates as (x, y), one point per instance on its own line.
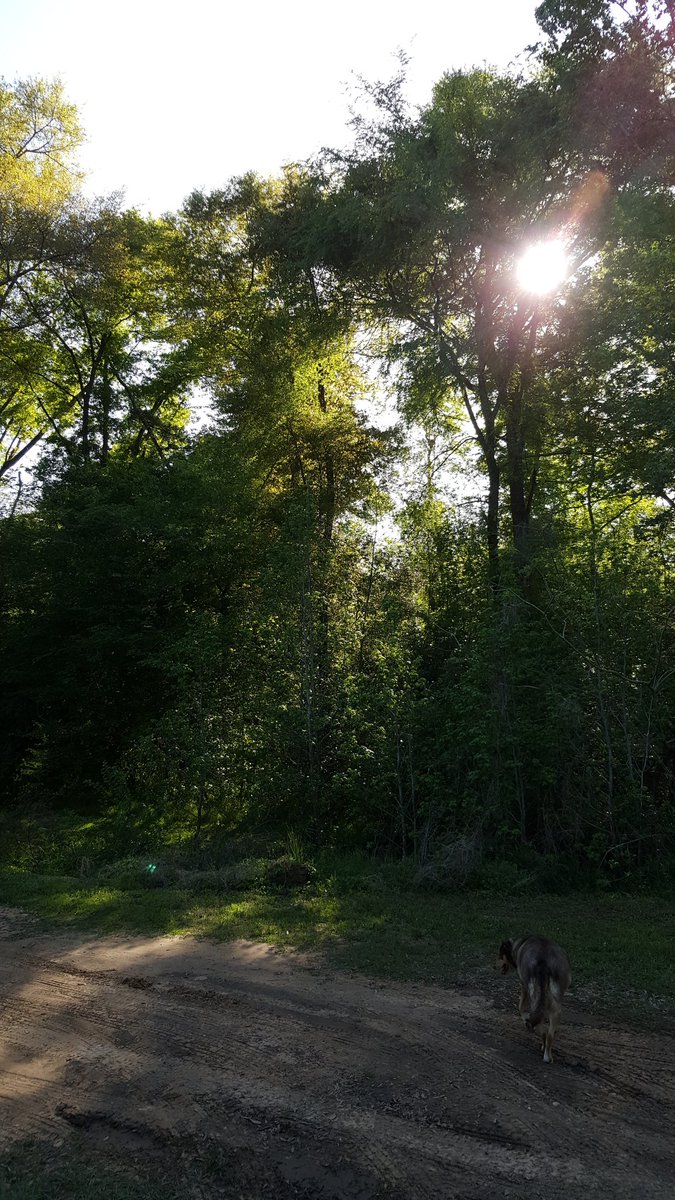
(447, 645)
(134, 872)
(39, 133)
(71, 1169)
(289, 873)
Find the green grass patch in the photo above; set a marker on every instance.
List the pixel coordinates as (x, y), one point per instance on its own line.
(31, 1171)
(620, 946)
(78, 1168)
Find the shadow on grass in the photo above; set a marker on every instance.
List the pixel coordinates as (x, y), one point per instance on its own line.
(620, 946)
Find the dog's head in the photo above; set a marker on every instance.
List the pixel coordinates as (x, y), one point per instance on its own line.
(505, 960)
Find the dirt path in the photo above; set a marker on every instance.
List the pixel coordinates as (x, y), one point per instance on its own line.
(321, 1085)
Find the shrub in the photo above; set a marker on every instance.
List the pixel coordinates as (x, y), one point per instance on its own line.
(237, 877)
(287, 873)
(136, 872)
(504, 878)
(454, 864)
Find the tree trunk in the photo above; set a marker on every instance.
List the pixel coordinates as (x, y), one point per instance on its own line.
(84, 428)
(105, 408)
(328, 497)
(493, 525)
(518, 500)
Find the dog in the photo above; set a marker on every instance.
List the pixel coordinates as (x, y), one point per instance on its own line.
(544, 971)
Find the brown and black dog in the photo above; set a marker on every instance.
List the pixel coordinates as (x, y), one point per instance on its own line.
(544, 971)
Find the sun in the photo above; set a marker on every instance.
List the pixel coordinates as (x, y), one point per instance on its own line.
(543, 267)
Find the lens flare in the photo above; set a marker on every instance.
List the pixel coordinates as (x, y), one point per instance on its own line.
(543, 267)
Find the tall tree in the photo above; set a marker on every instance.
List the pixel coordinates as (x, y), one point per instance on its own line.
(280, 361)
(39, 134)
(426, 218)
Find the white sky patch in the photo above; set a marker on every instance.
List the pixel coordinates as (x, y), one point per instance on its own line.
(203, 411)
(179, 96)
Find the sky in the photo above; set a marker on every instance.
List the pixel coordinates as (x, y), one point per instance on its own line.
(177, 96)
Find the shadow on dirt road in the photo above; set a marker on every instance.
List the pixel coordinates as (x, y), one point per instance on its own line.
(318, 1084)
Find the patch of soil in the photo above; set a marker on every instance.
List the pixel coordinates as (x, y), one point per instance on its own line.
(322, 1085)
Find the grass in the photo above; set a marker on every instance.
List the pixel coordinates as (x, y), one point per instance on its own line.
(34, 1172)
(446, 939)
(79, 1168)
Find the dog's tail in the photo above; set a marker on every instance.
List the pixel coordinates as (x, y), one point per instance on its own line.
(537, 988)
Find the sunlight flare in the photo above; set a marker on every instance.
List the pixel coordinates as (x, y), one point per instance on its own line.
(543, 267)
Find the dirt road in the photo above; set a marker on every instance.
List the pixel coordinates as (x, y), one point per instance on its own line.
(322, 1085)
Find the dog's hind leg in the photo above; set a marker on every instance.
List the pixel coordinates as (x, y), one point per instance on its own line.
(524, 1003)
(553, 1021)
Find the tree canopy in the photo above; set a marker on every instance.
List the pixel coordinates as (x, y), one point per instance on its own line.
(449, 621)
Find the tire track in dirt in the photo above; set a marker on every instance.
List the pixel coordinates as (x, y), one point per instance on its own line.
(352, 1089)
